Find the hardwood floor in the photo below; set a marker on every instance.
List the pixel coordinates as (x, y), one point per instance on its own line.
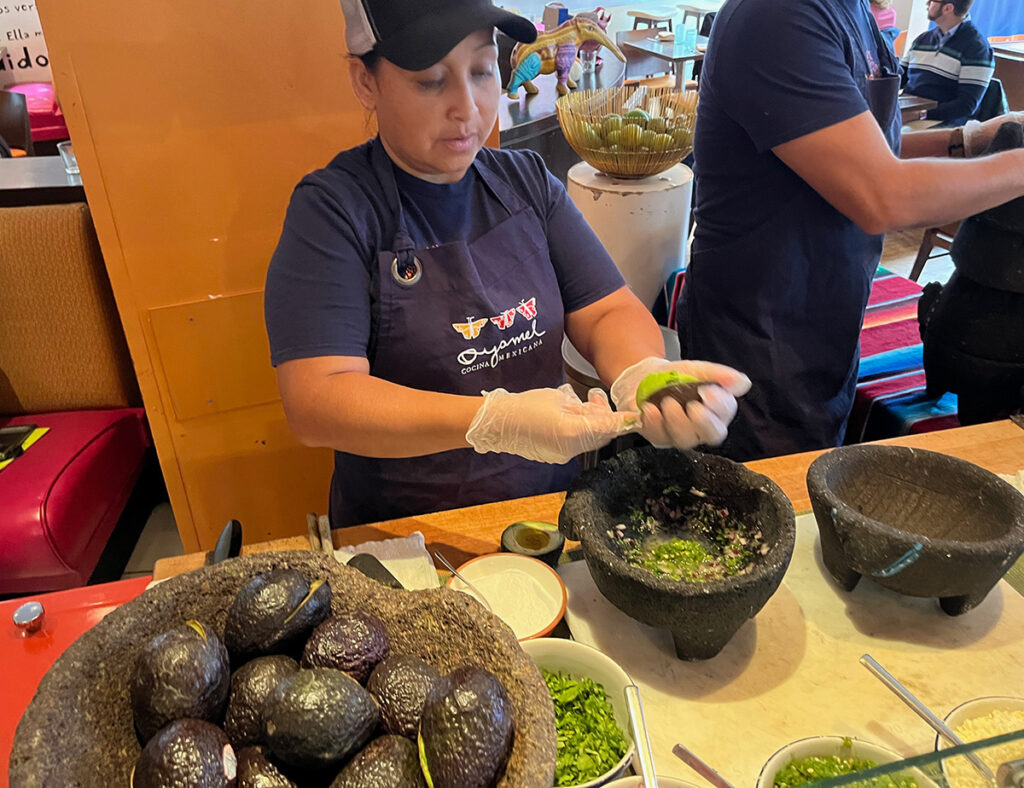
(900, 251)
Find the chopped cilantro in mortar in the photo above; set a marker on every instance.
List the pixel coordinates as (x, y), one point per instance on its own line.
(589, 741)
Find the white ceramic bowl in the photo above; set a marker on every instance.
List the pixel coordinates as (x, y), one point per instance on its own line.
(525, 593)
(638, 782)
(833, 745)
(577, 659)
(969, 710)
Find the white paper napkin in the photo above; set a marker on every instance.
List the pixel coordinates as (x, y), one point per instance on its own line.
(404, 557)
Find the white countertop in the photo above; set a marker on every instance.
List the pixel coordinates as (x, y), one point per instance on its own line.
(793, 670)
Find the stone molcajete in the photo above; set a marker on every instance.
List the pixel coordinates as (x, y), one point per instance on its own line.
(916, 522)
(702, 616)
(78, 729)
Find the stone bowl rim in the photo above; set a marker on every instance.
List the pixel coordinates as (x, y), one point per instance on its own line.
(765, 570)
(819, 490)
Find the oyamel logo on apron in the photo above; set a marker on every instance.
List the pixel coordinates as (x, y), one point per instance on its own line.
(510, 345)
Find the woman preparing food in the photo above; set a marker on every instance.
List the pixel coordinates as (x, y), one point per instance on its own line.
(417, 298)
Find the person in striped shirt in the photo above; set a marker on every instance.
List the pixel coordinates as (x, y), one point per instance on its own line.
(951, 63)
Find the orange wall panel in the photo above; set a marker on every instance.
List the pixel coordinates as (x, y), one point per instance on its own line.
(192, 121)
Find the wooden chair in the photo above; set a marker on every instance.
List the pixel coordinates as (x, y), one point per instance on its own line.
(650, 20)
(14, 122)
(899, 43)
(941, 237)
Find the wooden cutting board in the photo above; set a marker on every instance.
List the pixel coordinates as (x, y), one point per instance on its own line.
(793, 670)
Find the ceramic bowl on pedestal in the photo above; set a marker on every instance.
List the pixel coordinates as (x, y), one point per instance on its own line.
(916, 522)
(702, 615)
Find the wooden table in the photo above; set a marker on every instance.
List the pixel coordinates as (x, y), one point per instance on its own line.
(699, 10)
(1012, 48)
(911, 107)
(38, 180)
(673, 51)
(464, 533)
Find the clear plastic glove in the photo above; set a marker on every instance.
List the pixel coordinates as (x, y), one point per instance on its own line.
(978, 136)
(669, 424)
(546, 425)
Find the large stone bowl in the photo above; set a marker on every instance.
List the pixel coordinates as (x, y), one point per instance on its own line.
(77, 732)
(917, 522)
(701, 616)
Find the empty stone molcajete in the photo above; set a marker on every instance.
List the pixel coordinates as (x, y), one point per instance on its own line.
(78, 729)
(917, 522)
(702, 616)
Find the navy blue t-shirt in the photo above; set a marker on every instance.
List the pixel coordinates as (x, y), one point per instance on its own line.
(776, 71)
(318, 297)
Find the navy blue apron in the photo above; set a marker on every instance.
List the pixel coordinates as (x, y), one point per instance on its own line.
(785, 303)
(457, 318)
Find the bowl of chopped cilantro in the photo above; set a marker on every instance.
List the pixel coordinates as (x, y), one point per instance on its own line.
(808, 761)
(690, 542)
(591, 718)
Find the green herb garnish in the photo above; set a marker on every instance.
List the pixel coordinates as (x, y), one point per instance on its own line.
(815, 768)
(589, 741)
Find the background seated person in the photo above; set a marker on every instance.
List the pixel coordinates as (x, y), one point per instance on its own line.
(952, 63)
(885, 18)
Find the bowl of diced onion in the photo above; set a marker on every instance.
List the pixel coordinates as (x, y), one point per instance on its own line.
(983, 718)
(594, 745)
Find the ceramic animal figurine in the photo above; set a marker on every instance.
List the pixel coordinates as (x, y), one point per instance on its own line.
(555, 53)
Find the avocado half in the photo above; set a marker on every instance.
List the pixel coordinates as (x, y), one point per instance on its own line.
(534, 538)
(670, 383)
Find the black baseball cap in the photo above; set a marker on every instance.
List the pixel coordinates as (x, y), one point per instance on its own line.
(415, 34)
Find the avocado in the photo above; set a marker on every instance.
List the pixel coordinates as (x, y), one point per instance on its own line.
(387, 762)
(256, 770)
(274, 613)
(672, 383)
(250, 686)
(535, 539)
(191, 753)
(352, 642)
(184, 672)
(466, 730)
(314, 719)
(400, 685)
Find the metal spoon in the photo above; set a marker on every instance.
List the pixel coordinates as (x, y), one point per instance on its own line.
(923, 712)
(690, 759)
(640, 737)
(480, 597)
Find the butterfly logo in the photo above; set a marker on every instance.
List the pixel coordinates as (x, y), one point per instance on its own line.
(471, 328)
(528, 309)
(505, 319)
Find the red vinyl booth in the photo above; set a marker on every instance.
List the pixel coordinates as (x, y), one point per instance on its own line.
(64, 365)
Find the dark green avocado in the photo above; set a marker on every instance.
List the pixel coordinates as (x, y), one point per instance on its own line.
(182, 673)
(400, 685)
(186, 754)
(314, 719)
(352, 642)
(250, 686)
(255, 770)
(466, 731)
(274, 613)
(387, 762)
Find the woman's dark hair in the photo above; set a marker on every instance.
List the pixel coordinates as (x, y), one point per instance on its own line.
(370, 59)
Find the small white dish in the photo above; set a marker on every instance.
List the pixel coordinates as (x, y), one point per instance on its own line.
(525, 593)
(971, 710)
(581, 661)
(826, 746)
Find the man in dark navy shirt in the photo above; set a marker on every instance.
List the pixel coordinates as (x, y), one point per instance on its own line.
(798, 175)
